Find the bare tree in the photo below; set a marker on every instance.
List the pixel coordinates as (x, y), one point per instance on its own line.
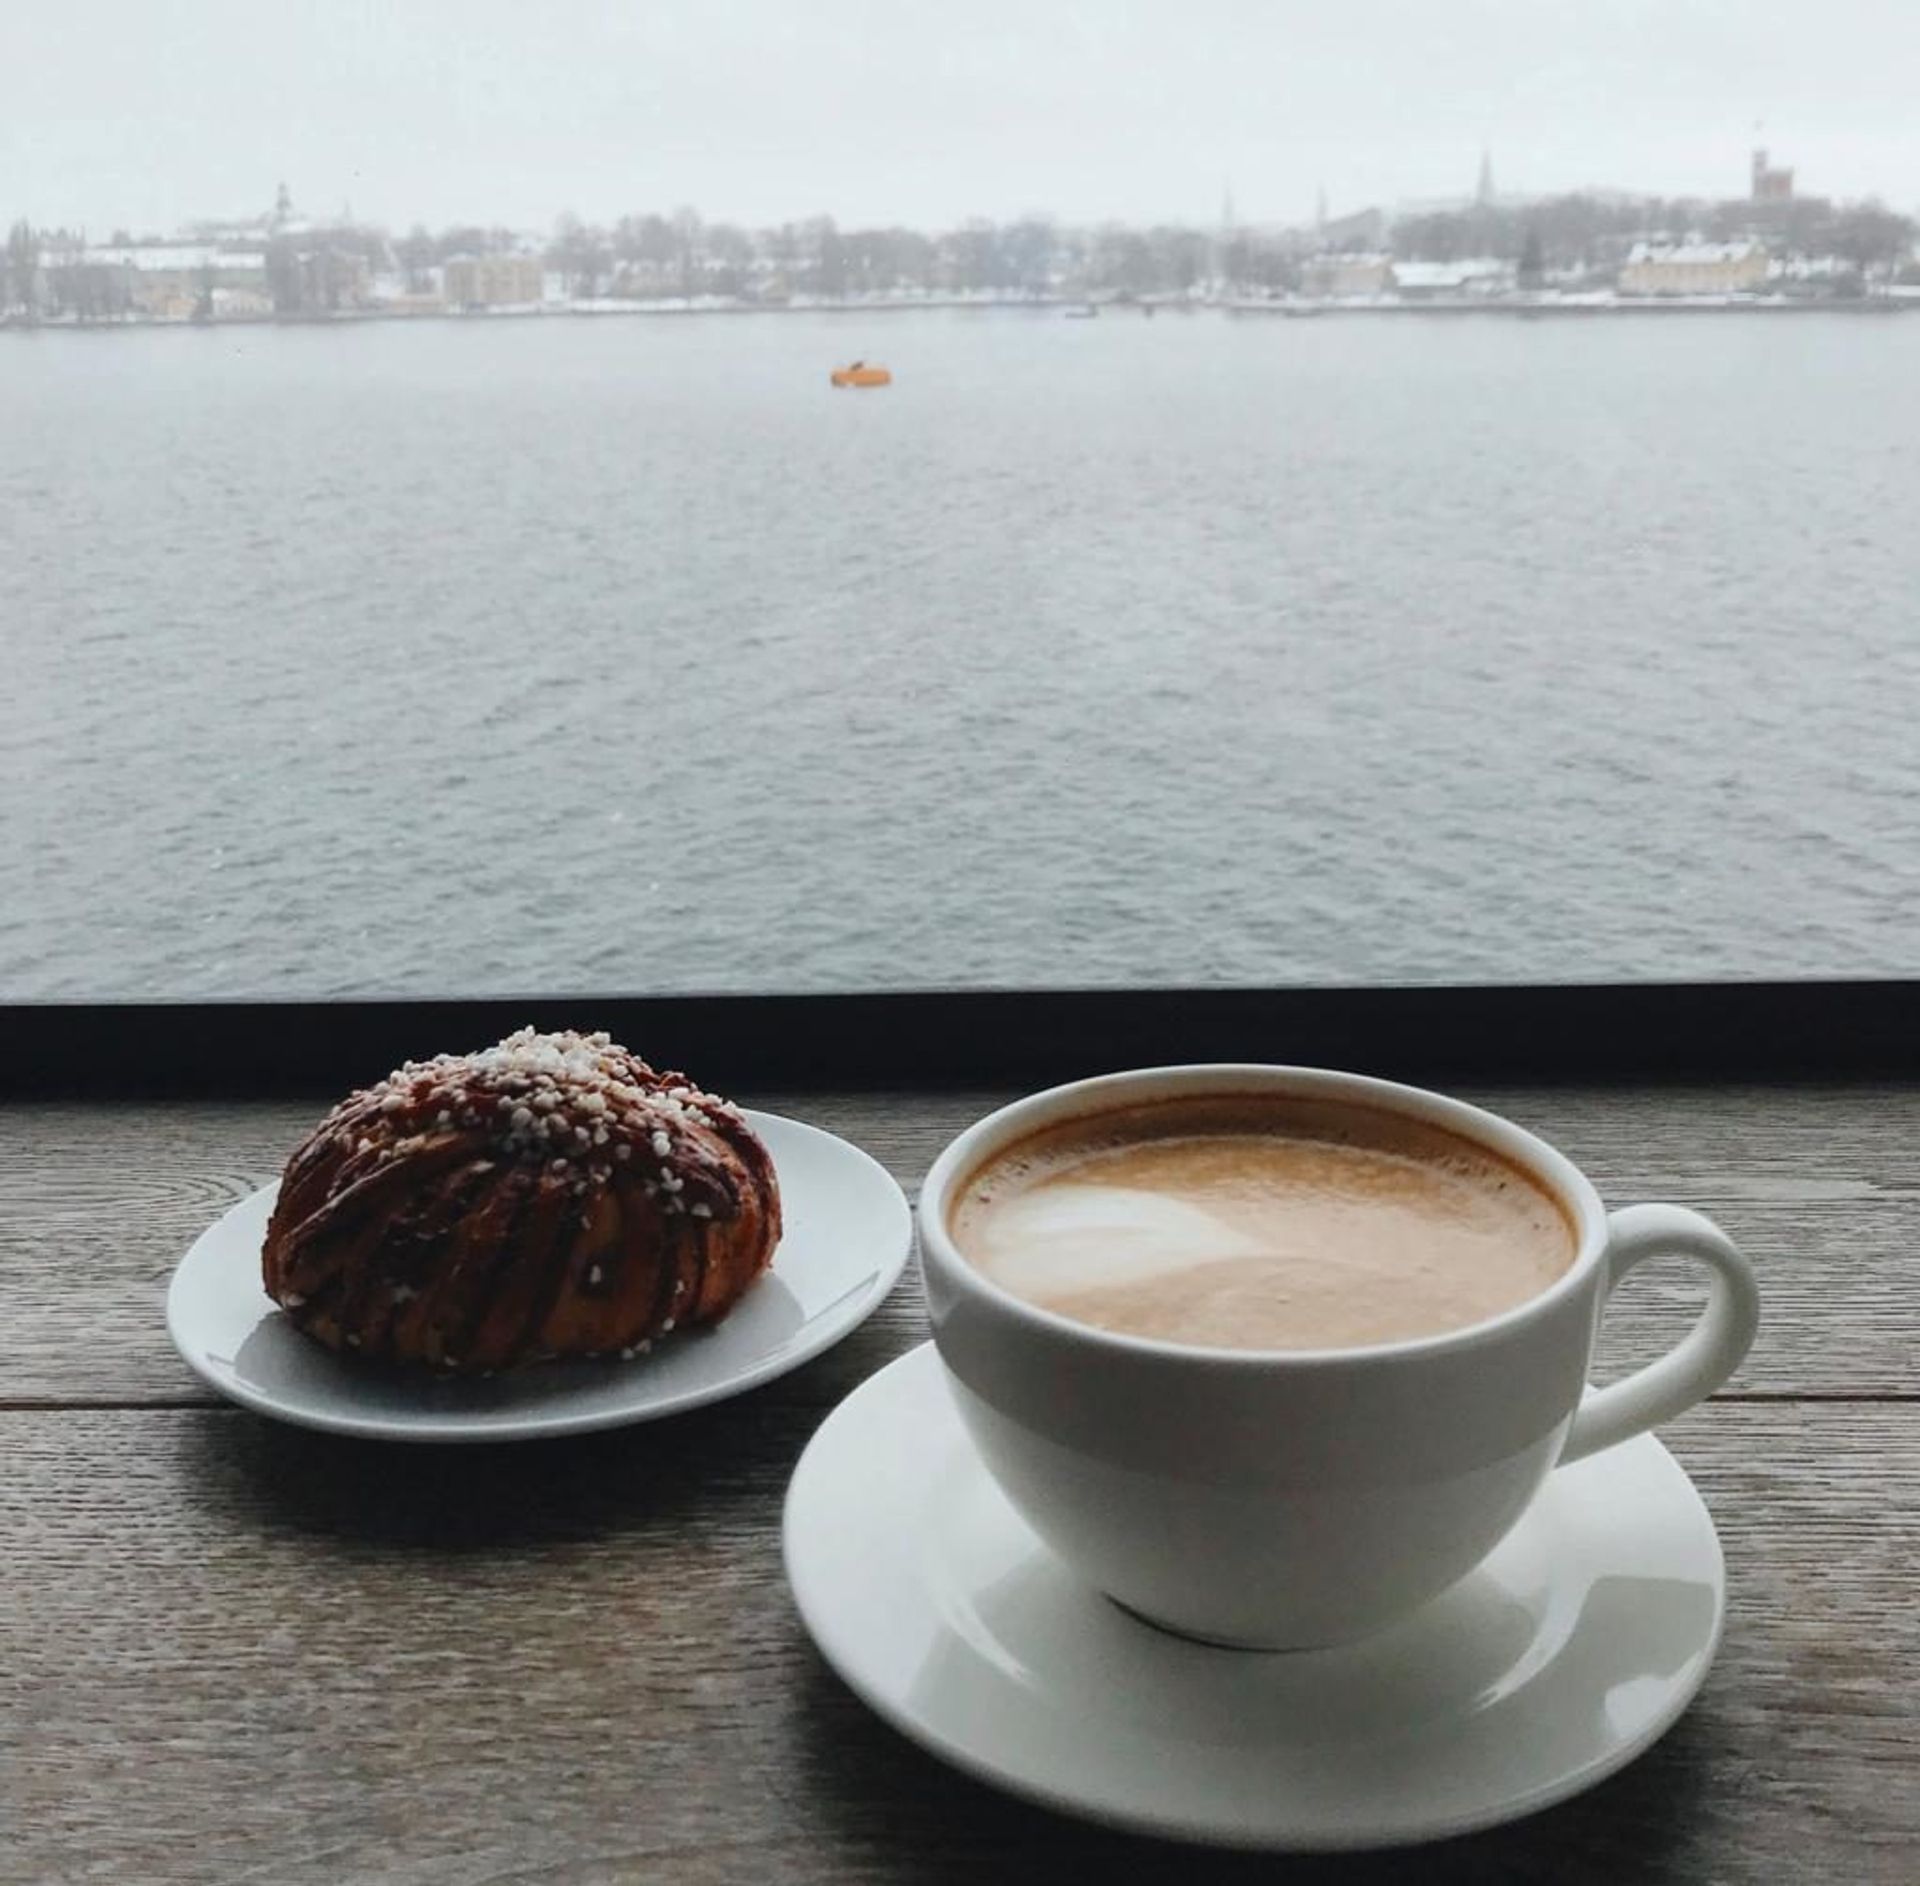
(687, 248)
(1028, 247)
(826, 253)
(581, 254)
(22, 289)
(729, 257)
(415, 251)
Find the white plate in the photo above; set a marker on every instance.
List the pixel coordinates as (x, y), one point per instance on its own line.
(1567, 1653)
(847, 1231)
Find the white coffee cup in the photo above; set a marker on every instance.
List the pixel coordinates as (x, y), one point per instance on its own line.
(1281, 1499)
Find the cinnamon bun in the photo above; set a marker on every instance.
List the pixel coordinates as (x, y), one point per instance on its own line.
(549, 1197)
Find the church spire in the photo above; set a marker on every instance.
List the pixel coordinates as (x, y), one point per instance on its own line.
(1483, 192)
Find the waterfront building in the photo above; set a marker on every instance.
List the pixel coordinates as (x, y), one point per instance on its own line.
(1694, 268)
(494, 281)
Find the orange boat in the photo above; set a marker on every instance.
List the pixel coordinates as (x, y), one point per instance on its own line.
(860, 374)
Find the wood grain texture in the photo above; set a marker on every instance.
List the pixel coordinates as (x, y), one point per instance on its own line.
(1821, 1186)
(231, 1651)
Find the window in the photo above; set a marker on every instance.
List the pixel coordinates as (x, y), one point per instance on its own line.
(1414, 496)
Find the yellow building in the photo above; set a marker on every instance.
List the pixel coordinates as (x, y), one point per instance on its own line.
(1694, 268)
(493, 281)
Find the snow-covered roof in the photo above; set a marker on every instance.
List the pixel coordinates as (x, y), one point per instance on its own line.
(165, 258)
(1449, 274)
(1694, 254)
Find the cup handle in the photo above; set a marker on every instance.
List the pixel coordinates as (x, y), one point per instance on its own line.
(1709, 1352)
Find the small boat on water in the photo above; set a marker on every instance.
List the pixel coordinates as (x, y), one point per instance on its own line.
(1088, 312)
(859, 373)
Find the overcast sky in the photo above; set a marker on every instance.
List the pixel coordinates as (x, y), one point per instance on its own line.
(141, 113)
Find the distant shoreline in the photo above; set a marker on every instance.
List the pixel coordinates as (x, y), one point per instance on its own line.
(1452, 308)
(1567, 310)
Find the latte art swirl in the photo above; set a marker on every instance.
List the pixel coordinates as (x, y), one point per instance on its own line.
(1261, 1224)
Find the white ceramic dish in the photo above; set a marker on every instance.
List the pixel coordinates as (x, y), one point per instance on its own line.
(846, 1238)
(1567, 1653)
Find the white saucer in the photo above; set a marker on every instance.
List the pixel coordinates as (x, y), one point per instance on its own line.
(1567, 1653)
(847, 1231)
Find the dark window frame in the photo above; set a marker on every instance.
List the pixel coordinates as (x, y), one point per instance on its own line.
(1582, 1032)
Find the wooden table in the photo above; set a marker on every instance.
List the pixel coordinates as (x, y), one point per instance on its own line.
(231, 1650)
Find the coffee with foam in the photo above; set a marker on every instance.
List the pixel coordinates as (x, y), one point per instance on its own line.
(1261, 1223)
